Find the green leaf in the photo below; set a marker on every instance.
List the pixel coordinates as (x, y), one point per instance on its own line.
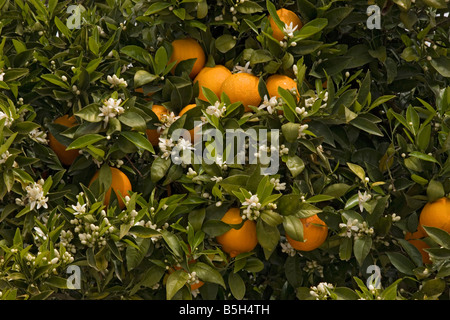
(293, 227)
(311, 28)
(7, 210)
(401, 263)
(306, 210)
(288, 204)
(137, 53)
(361, 248)
(16, 73)
(293, 271)
(5, 146)
(435, 190)
(358, 170)
(142, 77)
(412, 117)
(295, 165)
(344, 293)
(440, 236)
(207, 273)
(290, 131)
(271, 217)
(135, 121)
(381, 100)
(62, 28)
(260, 56)
(143, 232)
(161, 60)
(93, 45)
(25, 127)
(136, 255)
(423, 156)
(379, 53)
(175, 281)
(409, 54)
(336, 16)
(366, 125)
(390, 293)
(157, 7)
(215, 227)
(196, 218)
(249, 7)
(438, 4)
(336, 190)
(273, 14)
(439, 253)
(225, 43)
(57, 282)
(55, 80)
(236, 285)
(441, 65)
(44, 295)
(364, 89)
(358, 56)
(17, 241)
(85, 141)
(210, 95)
(152, 276)
(173, 242)
(433, 287)
(423, 137)
(412, 252)
(345, 249)
(303, 293)
(268, 236)
(180, 13)
(319, 198)
(138, 140)
(404, 4)
(233, 183)
(90, 113)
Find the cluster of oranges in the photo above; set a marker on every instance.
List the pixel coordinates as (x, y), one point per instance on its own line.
(243, 87)
(239, 87)
(244, 239)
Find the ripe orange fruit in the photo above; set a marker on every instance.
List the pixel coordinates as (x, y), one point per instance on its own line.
(315, 233)
(236, 241)
(436, 214)
(152, 134)
(67, 157)
(185, 49)
(276, 81)
(187, 108)
(211, 78)
(288, 17)
(119, 183)
(242, 87)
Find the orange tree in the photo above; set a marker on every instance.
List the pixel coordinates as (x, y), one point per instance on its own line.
(363, 147)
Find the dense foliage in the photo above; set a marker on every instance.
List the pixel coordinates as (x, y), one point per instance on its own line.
(365, 147)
